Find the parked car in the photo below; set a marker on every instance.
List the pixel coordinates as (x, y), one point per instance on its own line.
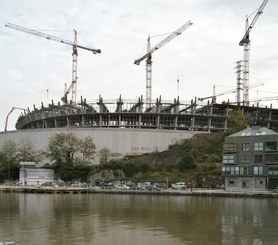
(144, 185)
(179, 186)
(161, 186)
(47, 184)
(105, 185)
(121, 187)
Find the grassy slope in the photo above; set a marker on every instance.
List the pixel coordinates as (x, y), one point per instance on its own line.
(207, 152)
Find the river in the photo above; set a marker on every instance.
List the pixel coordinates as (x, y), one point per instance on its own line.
(121, 219)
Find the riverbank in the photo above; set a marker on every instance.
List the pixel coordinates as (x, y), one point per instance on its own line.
(187, 192)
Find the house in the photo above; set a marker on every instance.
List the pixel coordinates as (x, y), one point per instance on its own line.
(30, 175)
(250, 160)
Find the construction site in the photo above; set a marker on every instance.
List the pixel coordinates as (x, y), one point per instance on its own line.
(147, 124)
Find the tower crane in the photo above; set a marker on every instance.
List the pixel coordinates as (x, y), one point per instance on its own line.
(271, 98)
(148, 57)
(74, 45)
(7, 117)
(213, 97)
(245, 42)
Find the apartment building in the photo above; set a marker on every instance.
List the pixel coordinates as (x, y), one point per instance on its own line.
(250, 160)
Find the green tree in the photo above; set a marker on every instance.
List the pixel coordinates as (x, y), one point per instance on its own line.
(237, 121)
(62, 148)
(9, 163)
(70, 155)
(104, 155)
(27, 153)
(87, 148)
(187, 162)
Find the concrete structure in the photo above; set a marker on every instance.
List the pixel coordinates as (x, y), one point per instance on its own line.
(102, 113)
(120, 141)
(128, 127)
(166, 115)
(30, 175)
(250, 160)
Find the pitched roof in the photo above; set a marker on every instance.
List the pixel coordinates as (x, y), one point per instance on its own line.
(254, 131)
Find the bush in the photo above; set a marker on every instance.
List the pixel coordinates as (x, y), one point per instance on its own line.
(187, 162)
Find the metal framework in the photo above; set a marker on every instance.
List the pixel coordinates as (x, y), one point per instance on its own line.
(148, 57)
(245, 42)
(74, 45)
(238, 80)
(168, 115)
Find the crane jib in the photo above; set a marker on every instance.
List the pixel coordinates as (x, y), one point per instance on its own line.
(164, 41)
(74, 54)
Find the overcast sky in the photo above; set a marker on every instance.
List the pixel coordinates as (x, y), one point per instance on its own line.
(204, 55)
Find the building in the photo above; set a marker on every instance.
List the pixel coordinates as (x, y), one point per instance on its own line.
(130, 127)
(30, 175)
(250, 160)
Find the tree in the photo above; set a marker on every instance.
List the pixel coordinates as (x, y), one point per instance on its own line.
(187, 162)
(62, 148)
(237, 121)
(9, 163)
(27, 153)
(70, 155)
(104, 155)
(87, 148)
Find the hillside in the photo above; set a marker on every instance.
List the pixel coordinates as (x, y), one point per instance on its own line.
(197, 160)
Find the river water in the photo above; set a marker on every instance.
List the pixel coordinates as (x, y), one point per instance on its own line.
(121, 219)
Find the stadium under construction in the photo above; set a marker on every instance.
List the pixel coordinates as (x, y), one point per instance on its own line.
(192, 116)
(136, 126)
(130, 127)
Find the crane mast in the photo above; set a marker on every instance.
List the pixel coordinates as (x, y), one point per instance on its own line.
(245, 42)
(149, 75)
(74, 45)
(148, 57)
(74, 70)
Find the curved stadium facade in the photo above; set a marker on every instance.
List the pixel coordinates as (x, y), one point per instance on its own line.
(126, 114)
(129, 127)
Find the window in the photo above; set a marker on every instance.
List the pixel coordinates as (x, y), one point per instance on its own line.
(258, 159)
(243, 171)
(273, 171)
(231, 170)
(271, 158)
(245, 146)
(258, 170)
(245, 159)
(228, 159)
(271, 146)
(259, 146)
(228, 147)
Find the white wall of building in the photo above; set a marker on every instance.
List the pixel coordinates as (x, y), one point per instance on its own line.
(35, 176)
(120, 141)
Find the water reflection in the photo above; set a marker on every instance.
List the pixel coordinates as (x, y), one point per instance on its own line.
(136, 219)
(249, 221)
